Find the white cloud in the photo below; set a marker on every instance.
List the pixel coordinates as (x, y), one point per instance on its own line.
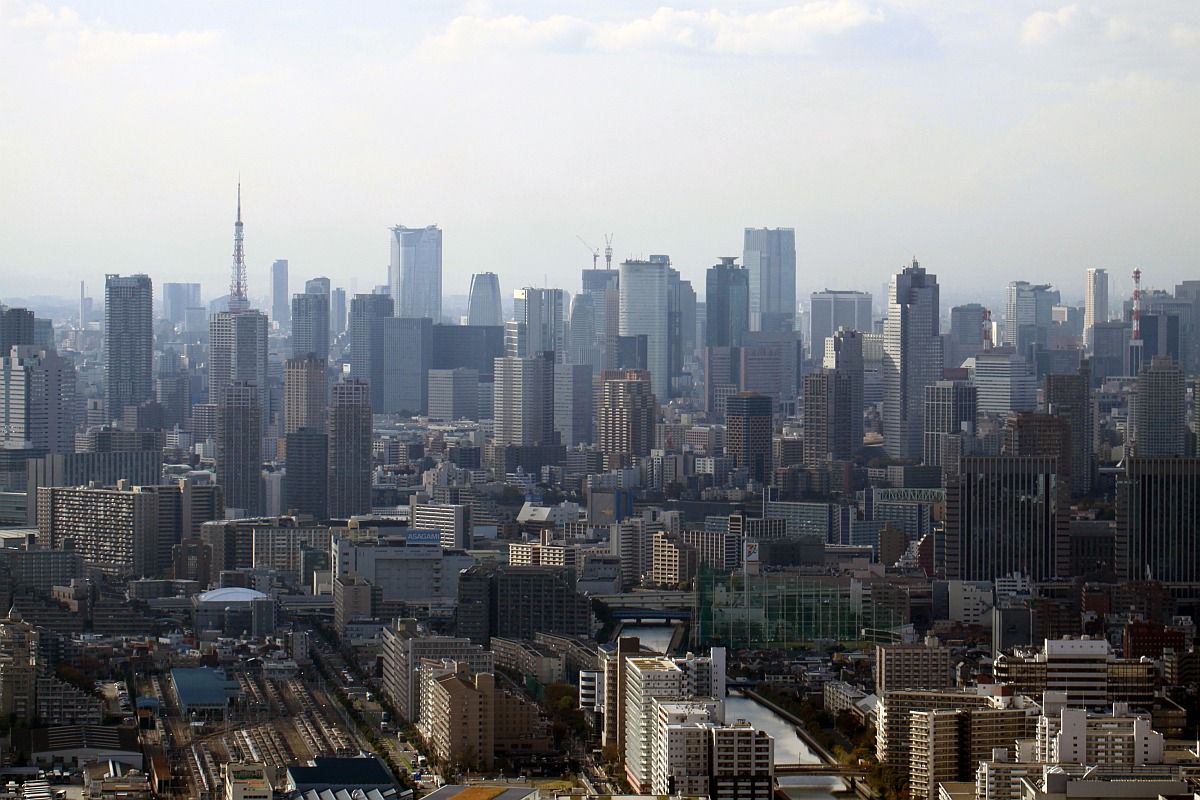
(790, 29)
(85, 44)
(1041, 27)
(1185, 36)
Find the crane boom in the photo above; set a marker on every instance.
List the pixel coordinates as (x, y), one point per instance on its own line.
(591, 249)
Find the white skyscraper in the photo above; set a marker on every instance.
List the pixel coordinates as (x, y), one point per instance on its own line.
(415, 272)
(642, 311)
(483, 305)
(912, 359)
(1095, 302)
(770, 256)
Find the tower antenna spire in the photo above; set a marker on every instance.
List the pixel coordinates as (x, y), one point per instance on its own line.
(237, 278)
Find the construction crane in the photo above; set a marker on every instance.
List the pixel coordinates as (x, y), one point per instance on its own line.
(595, 251)
(608, 251)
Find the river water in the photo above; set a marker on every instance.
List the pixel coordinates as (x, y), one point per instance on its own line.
(789, 749)
(652, 637)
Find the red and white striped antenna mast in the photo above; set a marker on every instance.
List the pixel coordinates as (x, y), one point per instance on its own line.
(1137, 304)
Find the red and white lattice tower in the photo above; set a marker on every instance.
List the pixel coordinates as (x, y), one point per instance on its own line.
(237, 280)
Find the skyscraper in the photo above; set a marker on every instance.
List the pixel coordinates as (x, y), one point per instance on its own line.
(681, 328)
(626, 418)
(844, 353)
(1157, 418)
(965, 339)
(237, 352)
(415, 272)
(1158, 522)
(318, 285)
(602, 286)
(128, 342)
(827, 418)
(1005, 382)
(350, 437)
(523, 402)
(833, 309)
(770, 256)
(37, 401)
(749, 426)
(177, 298)
(1005, 515)
(585, 346)
(541, 317)
(337, 312)
(239, 446)
(912, 359)
(281, 310)
(642, 308)
(573, 393)
(1070, 398)
(726, 303)
(950, 408)
(407, 353)
(1095, 302)
(483, 304)
(304, 394)
(366, 351)
(1029, 311)
(307, 478)
(310, 325)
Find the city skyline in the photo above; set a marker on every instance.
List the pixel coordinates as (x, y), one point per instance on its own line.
(1055, 138)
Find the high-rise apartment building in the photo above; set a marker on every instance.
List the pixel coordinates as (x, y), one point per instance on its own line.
(415, 272)
(749, 426)
(626, 418)
(1095, 302)
(523, 401)
(239, 447)
(350, 437)
(305, 393)
(37, 401)
(403, 652)
(128, 342)
(237, 352)
(127, 530)
(912, 359)
(916, 665)
(832, 309)
(1157, 416)
(769, 254)
(281, 310)
(950, 409)
(726, 303)
(828, 413)
(643, 312)
(177, 298)
(1006, 515)
(310, 325)
(483, 304)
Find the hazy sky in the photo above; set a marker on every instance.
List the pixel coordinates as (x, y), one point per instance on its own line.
(993, 140)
